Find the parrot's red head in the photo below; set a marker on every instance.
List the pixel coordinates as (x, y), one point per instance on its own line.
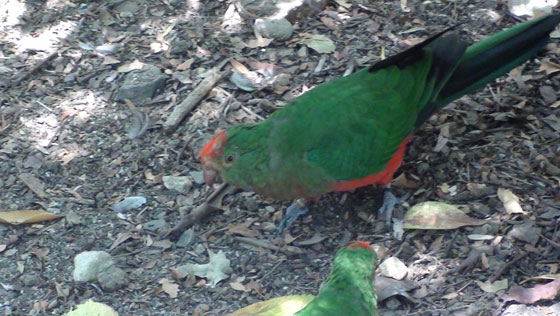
(239, 156)
(358, 244)
(210, 152)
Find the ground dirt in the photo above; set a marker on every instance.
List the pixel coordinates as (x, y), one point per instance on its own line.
(64, 148)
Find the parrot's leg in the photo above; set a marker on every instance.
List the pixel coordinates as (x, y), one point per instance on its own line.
(389, 201)
(294, 211)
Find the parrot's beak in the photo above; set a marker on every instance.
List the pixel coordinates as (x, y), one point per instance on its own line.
(210, 176)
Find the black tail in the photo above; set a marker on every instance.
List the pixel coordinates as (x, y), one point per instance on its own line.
(488, 59)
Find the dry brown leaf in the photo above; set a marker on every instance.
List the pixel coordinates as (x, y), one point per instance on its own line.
(33, 184)
(315, 239)
(549, 67)
(284, 305)
(26, 217)
(186, 65)
(259, 42)
(387, 287)
(403, 182)
(41, 253)
(169, 287)
(122, 237)
(438, 215)
(242, 229)
(531, 295)
(237, 286)
(239, 66)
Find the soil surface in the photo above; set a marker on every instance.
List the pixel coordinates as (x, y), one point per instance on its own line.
(71, 144)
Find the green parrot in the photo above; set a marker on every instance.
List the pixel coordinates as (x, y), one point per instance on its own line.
(348, 291)
(353, 131)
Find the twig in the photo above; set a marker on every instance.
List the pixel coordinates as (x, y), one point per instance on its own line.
(499, 272)
(472, 259)
(266, 245)
(34, 69)
(551, 242)
(198, 213)
(185, 107)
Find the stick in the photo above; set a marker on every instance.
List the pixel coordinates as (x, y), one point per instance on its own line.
(198, 213)
(195, 97)
(506, 266)
(34, 69)
(267, 245)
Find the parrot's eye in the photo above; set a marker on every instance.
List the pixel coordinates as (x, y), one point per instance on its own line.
(230, 159)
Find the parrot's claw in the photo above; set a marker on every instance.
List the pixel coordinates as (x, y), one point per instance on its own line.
(293, 212)
(389, 201)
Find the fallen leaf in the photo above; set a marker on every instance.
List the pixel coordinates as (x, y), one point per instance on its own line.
(259, 42)
(242, 230)
(237, 286)
(549, 67)
(108, 60)
(438, 215)
(403, 182)
(510, 201)
(387, 287)
(169, 287)
(315, 239)
(122, 237)
(553, 121)
(215, 270)
(239, 66)
(26, 217)
(450, 296)
(320, 43)
(480, 237)
(493, 287)
(531, 295)
(33, 184)
(135, 65)
(280, 306)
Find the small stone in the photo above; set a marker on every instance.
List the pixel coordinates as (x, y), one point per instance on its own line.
(278, 29)
(178, 184)
(198, 176)
(251, 204)
(112, 278)
(88, 263)
(394, 268)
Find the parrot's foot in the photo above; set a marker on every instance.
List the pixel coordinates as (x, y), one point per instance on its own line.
(294, 211)
(389, 201)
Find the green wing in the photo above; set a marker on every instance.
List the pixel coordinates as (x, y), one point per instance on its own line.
(351, 128)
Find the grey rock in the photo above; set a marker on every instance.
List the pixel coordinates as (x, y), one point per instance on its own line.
(179, 184)
(278, 29)
(112, 278)
(88, 263)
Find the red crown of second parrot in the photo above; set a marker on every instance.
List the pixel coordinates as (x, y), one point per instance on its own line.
(358, 244)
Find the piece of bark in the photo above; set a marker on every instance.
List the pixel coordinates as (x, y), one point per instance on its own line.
(192, 100)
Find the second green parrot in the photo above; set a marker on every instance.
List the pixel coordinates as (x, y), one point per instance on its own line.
(349, 289)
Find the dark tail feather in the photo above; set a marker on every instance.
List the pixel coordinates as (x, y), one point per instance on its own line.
(488, 59)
